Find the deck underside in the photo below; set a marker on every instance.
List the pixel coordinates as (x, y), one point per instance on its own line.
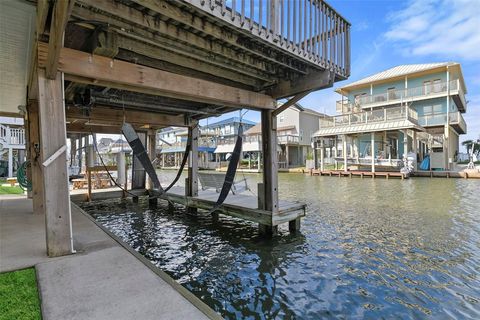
(239, 205)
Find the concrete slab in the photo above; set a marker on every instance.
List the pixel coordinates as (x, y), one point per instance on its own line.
(105, 279)
(108, 284)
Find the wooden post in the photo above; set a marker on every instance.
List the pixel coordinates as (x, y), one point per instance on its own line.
(138, 171)
(315, 155)
(54, 165)
(34, 141)
(322, 156)
(270, 168)
(414, 146)
(151, 145)
(192, 186)
(345, 165)
(372, 136)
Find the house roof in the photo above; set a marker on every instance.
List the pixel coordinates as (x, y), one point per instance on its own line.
(398, 71)
(368, 127)
(229, 121)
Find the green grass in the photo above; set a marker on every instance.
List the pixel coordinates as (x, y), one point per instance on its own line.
(19, 295)
(10, 190)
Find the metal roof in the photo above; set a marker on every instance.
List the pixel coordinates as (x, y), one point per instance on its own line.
(231, 120)
(398, 71)
(368, 127)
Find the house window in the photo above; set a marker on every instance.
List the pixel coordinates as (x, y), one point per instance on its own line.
(301, 135)
(281, 118)
(392, 95)
(432, 86)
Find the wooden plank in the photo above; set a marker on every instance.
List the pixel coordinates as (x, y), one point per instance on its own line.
(101, 168)
(110, 72)
(55, 177)
(61, 13)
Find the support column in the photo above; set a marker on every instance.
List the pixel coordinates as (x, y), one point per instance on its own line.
(34, 141)
(405, 143)
(345, 165)
(287, 157)
(138, 171)
(322, 155)
(372, 137)
(415, 149)
(56, 197)
(269, 194)
(151, 145)
(192, 187)
(315, 155)
(10, 162)
(336, 153)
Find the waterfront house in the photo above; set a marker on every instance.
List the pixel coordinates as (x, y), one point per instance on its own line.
(409, 110)
(295, 128)
(224, 134)
(12, 145)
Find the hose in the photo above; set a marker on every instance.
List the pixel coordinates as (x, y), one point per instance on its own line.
(22, 179)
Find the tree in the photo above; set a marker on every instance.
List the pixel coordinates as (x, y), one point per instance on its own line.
(468, 144)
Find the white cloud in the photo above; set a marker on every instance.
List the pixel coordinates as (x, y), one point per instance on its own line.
(443, 28)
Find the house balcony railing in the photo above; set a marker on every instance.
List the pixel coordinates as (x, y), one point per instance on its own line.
(309, 29)
(402, 95)
(288, 139)
(372, 116)
(14, 137)
(455, 119)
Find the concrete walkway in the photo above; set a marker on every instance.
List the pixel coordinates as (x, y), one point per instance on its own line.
(103, 280)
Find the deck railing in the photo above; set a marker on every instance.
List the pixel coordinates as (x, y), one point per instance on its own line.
(373, 116)
(12, 136)
(310, 29)
(396, 96)
(441, 119)
(288, 139)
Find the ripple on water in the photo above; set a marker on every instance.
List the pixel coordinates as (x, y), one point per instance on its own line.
(368, 249)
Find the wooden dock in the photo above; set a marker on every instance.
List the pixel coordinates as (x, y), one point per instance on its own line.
(472, 174)
(361, 174)
(242, 206)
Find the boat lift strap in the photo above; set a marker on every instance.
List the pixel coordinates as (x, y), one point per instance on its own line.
(141, 154)
(231, 171)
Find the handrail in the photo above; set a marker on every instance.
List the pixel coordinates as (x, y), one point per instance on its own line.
(400, 94)
(12, 136)
(310, 29)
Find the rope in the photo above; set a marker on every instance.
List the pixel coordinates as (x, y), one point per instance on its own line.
(22, 179)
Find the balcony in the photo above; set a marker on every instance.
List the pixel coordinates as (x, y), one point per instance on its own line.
(309, 29)
(288, 139)
(373, 116)
(455, 120)
(406, 95)
(12, 137)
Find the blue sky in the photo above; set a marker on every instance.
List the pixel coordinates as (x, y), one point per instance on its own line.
(389, 33)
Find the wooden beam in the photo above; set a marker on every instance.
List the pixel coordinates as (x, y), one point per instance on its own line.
(314, 81)
(56, 198)
(289, 103)
(42, 13)
(111, 73)
(34, 147)
(61, 13)
(114, 117)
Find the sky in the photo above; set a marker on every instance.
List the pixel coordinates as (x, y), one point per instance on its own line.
(387, 33)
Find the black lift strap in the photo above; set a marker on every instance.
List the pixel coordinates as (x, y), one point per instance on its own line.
(231, 170)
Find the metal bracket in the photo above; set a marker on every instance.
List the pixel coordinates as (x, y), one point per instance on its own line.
(54, 156)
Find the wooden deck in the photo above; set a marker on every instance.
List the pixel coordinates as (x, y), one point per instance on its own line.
(244, 206)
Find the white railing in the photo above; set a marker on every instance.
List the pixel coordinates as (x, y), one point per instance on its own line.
(374, 116)
(12, 136)
(396, 96)
(288, 138)
(441, 119)
(309, 29)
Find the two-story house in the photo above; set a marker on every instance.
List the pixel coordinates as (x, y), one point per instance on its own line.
(295, 128)
(410, 111)
(225, 133)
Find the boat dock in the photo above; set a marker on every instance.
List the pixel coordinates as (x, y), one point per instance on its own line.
(472, 174)
(242, 206)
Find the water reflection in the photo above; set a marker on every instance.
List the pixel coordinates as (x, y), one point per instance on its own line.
(368, 249)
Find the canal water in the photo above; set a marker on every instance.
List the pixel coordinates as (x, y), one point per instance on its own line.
(368, 248)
